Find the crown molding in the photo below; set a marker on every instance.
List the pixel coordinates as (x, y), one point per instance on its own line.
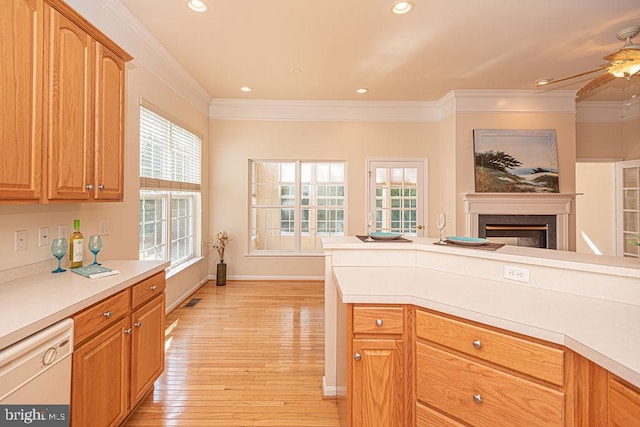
(115, 20)
(324, 111)
(394, 111)
(524, 101)
(608, 111)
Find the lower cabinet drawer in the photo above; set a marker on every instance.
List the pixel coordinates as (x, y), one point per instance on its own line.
(483, 396)
(427, 417)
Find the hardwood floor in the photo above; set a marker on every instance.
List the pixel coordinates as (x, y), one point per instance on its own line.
(248, 354)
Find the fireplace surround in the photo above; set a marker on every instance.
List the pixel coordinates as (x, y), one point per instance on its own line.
(521, 207)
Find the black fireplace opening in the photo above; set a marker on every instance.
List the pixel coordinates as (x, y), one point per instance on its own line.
(537, 231)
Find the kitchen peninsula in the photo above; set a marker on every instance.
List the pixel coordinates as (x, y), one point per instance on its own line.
(577, 316)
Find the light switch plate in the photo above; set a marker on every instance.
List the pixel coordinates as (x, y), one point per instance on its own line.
(43, 236)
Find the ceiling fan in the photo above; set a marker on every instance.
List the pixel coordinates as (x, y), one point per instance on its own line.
(623, 63)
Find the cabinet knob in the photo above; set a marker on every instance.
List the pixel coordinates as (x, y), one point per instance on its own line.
(137, 324)
(90, 187)
(477, 344)
(379, 322)
(153, 288)
(107, 314)
(477, 398)
(101, 187)
(357, 356)
(128, 331)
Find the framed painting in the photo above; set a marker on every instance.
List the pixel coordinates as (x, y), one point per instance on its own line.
(515, 161)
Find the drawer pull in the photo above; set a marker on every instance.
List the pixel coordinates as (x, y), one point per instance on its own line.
(137, 324)
(128, 331)
(477, 344)
(379, 322)
(357, 356)
(153, 288)
(107, 314)
(101, 187)
(477, 398)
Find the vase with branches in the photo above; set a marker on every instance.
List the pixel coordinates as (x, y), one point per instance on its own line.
(216, 247)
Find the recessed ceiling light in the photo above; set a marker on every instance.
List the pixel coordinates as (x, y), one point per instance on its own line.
(545, 81)
(362, 90)
(246, 89)
(402, 7)
(197, 5)
(295, 70)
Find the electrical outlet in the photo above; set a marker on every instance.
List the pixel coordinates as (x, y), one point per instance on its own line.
(516, 273)
(62, 231)
(21, 240)
(105, 228)
(43, 236)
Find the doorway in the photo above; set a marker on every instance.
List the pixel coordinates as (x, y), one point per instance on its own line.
(396, 195)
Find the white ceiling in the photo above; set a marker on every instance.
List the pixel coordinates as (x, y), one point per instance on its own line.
(339, 46)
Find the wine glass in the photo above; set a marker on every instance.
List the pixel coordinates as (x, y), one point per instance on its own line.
(59, 249)
(369, 225)
(441, 222)
(95, 246)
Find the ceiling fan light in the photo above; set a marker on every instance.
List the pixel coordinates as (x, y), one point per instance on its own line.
(542, 82)
(197, 5)
(625, 69)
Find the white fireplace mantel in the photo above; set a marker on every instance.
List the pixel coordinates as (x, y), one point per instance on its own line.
(558, 204)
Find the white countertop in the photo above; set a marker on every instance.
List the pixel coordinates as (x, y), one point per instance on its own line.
(586, 303)
(30, 304)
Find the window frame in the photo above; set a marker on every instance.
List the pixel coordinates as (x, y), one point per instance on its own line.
(170, 191)
(299, 233)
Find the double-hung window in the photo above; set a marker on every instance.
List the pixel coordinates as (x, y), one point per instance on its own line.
(169, 189)
(294, 203)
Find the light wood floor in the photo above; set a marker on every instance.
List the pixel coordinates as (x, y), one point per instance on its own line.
(248, 354)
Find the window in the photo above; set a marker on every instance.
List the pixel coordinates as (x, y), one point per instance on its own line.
(169, 189)
(294, 204)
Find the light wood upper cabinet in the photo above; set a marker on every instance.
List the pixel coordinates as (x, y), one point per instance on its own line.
(108, 162)
(62, 122)
(21, 89)
(69, 108)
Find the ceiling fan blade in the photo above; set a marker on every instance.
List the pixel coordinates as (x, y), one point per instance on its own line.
(577, 75)
(625, 54)
(599, 81)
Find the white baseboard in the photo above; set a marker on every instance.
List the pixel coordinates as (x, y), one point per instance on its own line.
(184, 296)
(328, 391)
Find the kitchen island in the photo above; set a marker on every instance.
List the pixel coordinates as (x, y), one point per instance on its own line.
(583, 303)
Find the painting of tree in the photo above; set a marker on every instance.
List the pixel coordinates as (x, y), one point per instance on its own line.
(516, 161)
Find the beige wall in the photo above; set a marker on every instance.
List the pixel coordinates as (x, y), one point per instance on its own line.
(631, 138)
(608, 140)
(233, 143)
(595, 208)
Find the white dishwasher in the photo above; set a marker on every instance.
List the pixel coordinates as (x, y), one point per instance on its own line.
(37, 370)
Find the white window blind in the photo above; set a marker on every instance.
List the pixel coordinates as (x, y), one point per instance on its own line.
(169, 154)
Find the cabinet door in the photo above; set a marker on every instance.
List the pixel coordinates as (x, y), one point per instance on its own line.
(624, 404)
(109, 132)
(99, 380)
(69, 108)
(21, 87)
(377, 382)
(147, 348)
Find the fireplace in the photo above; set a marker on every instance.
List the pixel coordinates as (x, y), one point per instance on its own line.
(536, 231)
(523, 219)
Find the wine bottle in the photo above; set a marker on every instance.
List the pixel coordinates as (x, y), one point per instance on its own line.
(76, 242)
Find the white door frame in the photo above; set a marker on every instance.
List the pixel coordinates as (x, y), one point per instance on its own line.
(620, 241)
